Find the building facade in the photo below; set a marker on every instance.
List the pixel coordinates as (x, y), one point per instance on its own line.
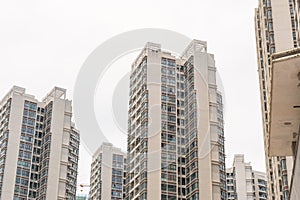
(277, 29)
(175, 127)
(243, 183)
(39, 146)
(107, 173)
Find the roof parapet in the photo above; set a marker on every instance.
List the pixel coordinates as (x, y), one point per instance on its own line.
(195, 45)
(55, 93)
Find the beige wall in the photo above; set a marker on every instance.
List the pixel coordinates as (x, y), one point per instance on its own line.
(241, 177)
(282, 25)
(15, 124)
(60, 126)
(154, 125)
(201, 86)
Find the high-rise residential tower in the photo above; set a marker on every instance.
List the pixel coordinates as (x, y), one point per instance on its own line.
(243, 183)
(175, 127)
(39, 146)
(108, 173)
(276, 26)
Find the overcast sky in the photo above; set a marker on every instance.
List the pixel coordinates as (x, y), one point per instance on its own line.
(43, 44)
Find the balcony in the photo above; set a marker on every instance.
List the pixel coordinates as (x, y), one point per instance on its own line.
(285, 111)
(285, 103)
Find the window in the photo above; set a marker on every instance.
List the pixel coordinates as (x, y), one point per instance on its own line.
(271, 38)
(172, 188)
(24, 164)
(25, 146)
(171, 63)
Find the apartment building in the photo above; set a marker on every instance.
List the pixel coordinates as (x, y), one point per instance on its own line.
(276, 26)
(243, 183)
(175, 126)
(39, 146)
(107, 173)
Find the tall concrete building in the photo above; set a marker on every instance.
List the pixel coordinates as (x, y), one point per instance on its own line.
(243, 183)
(285, 113)
(276, 26)
(175, 127)
(108, 173)
(39, 146)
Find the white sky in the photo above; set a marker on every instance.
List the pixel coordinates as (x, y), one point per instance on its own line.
(44, 43)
